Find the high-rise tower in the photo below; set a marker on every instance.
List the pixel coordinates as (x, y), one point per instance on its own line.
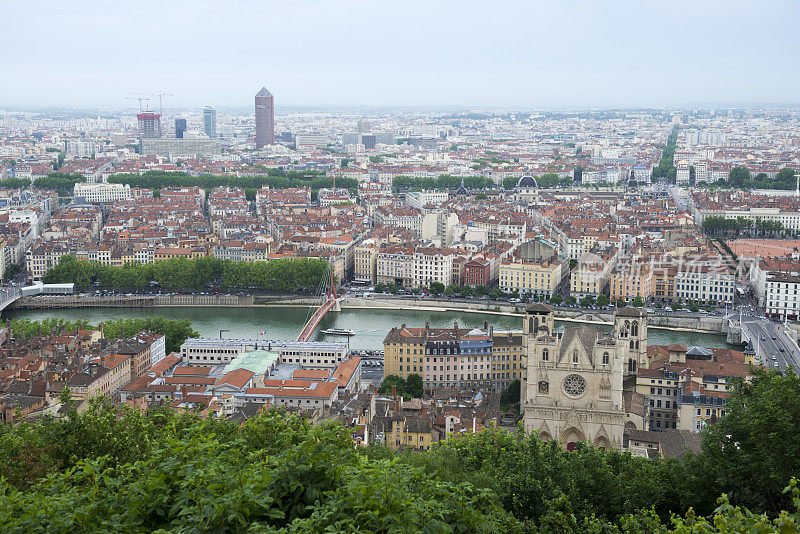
(180, 128)
(265, 118)
(210, 121)
(149, 125)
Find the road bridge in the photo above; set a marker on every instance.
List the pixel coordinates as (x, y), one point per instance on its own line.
(774, 345)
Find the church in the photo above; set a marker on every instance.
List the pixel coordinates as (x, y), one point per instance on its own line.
(580, 384)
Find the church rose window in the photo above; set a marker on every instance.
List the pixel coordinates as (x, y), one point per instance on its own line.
(574, 385)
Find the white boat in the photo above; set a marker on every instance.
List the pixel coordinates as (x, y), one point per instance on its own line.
(338, 332)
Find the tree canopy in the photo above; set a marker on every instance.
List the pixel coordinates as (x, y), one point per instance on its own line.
(175, 331)
(274, 178)
(740, 177)
(114, 469)
(408, 388)
(443, 181)
(198, 273)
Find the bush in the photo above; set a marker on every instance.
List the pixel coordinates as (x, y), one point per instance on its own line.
(510, 395)
(113, 469)
(276, 473)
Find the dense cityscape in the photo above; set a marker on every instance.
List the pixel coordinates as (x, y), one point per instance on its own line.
(420, 268)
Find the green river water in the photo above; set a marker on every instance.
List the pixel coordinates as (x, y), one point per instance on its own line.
(370, 325)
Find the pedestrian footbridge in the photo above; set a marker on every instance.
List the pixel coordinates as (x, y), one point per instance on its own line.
(9, 295)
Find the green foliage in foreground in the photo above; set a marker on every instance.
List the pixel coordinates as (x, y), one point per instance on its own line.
(198, 273)
(175, 331)
(118, 470)
(277, 473)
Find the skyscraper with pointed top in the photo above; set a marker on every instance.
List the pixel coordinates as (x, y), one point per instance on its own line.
(265, 118)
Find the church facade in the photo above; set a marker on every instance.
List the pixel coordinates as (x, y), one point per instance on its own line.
(574, 387)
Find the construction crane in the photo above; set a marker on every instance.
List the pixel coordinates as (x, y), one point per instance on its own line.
(139, 98)
(161, 102)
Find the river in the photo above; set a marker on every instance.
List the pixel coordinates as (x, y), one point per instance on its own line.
(370, 326)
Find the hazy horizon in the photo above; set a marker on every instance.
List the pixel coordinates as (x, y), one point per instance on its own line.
(357, 54)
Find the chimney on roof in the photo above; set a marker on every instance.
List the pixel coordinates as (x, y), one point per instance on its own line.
(485, 325)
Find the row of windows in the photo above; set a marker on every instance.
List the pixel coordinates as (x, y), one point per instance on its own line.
(666, 424)
(659, 390)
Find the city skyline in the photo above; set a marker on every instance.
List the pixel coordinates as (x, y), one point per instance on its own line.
(531, 55)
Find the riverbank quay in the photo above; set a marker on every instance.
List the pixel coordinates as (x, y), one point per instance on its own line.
(131, 301)
(686, 322)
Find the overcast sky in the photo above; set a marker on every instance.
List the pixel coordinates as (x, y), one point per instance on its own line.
(558, 53)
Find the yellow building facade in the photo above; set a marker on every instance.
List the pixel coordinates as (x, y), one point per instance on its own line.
(535, 278)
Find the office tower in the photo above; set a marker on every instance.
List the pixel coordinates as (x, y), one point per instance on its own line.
(180, 128)
(265, 118)
(210, 121)
(368, 140)
(149, 125)
(364, 126)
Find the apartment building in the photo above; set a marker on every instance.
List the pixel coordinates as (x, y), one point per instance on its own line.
(682, 177)
(773, 282)
(412, 266)
(443, 357)
(44, 256)
(405, 432)
(687, 387)
(419, 199)
(395, 265)
(432, 264)
(399, 217)
(332, 197)
(592, 274)
(101, 193)
(782, 296)
(477, 272)
(540, 278)
(365, 261)
(664, 282)
(630, 280)
(508, 360)
(709, 284)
